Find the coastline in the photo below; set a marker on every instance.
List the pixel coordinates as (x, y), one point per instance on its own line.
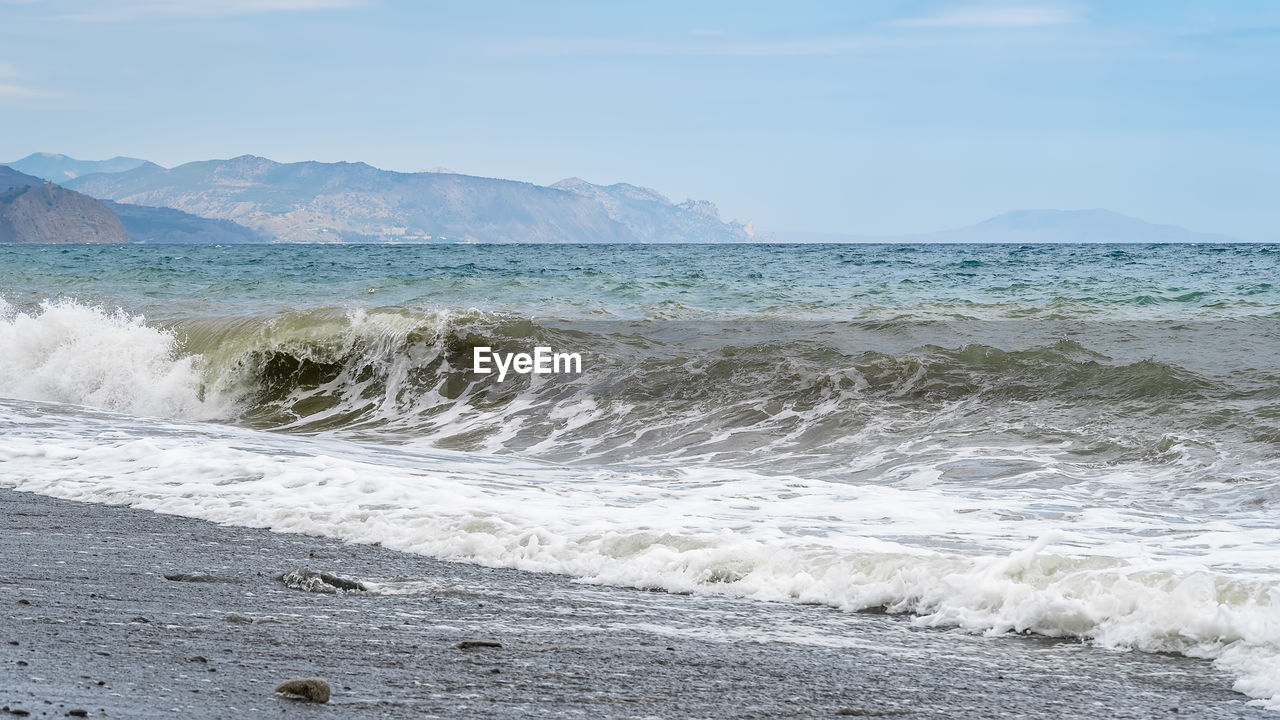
(86, 601)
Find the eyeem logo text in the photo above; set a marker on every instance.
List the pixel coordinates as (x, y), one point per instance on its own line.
(542, 361)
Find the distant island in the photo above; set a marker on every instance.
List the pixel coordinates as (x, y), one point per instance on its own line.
(1035, 227)
(251, 199)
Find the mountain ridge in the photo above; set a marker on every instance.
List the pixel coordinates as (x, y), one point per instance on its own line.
(48, 214)
(166, 226)
(58, 168)
(259, 199)
(355, 202)
(53, 214)
(10, 179)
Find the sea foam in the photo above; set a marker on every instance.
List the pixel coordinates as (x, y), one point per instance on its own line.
(701, 530)
(74, 353)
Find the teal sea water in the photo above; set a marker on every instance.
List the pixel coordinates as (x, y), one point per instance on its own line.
(1078, 441)
(839, 281)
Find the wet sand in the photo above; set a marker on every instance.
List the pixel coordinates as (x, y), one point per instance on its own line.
(91, 623)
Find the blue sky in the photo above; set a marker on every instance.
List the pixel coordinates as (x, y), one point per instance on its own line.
(858, 117)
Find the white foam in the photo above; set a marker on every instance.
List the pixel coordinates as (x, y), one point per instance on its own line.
(1109, 574)
(85, 355)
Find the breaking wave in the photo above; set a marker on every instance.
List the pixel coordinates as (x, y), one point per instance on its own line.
(739, 391)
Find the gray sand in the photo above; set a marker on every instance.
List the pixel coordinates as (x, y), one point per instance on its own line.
(91, 623)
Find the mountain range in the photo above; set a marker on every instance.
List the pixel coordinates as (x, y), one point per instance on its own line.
(166, 226)
(60, 168)
(253, 199)
(32, 210)
(355, 202)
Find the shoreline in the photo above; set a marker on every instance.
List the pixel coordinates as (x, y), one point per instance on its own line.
(92, 623)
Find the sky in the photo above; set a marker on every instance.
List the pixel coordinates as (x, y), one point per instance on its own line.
(870, 117)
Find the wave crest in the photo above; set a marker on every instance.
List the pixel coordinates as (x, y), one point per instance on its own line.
(85, 355)
(738, 392)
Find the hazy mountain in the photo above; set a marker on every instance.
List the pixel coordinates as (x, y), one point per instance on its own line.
(252, 199)
(1070, 226)
(325, 202)
(10, 179)
(651, 217)
(60, 168)
(168, 226)
(1036, 226)
(59, 215)
(46, 213)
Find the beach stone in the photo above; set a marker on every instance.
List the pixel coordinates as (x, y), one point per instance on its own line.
(197, 578)
(321, 582)
(310, 689)
(468, 644)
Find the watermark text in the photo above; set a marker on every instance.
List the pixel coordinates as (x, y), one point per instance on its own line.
(542, 361)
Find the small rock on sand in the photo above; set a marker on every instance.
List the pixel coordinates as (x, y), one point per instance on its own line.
(321, 582)
(197, 577)
(468, 644)
(308, 689)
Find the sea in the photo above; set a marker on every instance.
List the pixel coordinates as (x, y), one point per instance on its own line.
(1074, 441)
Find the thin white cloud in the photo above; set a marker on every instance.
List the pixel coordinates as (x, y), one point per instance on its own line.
(715, 43)
(12, 93)
(119, 11)
(697, 47)
(994, 17)
(20, 92)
